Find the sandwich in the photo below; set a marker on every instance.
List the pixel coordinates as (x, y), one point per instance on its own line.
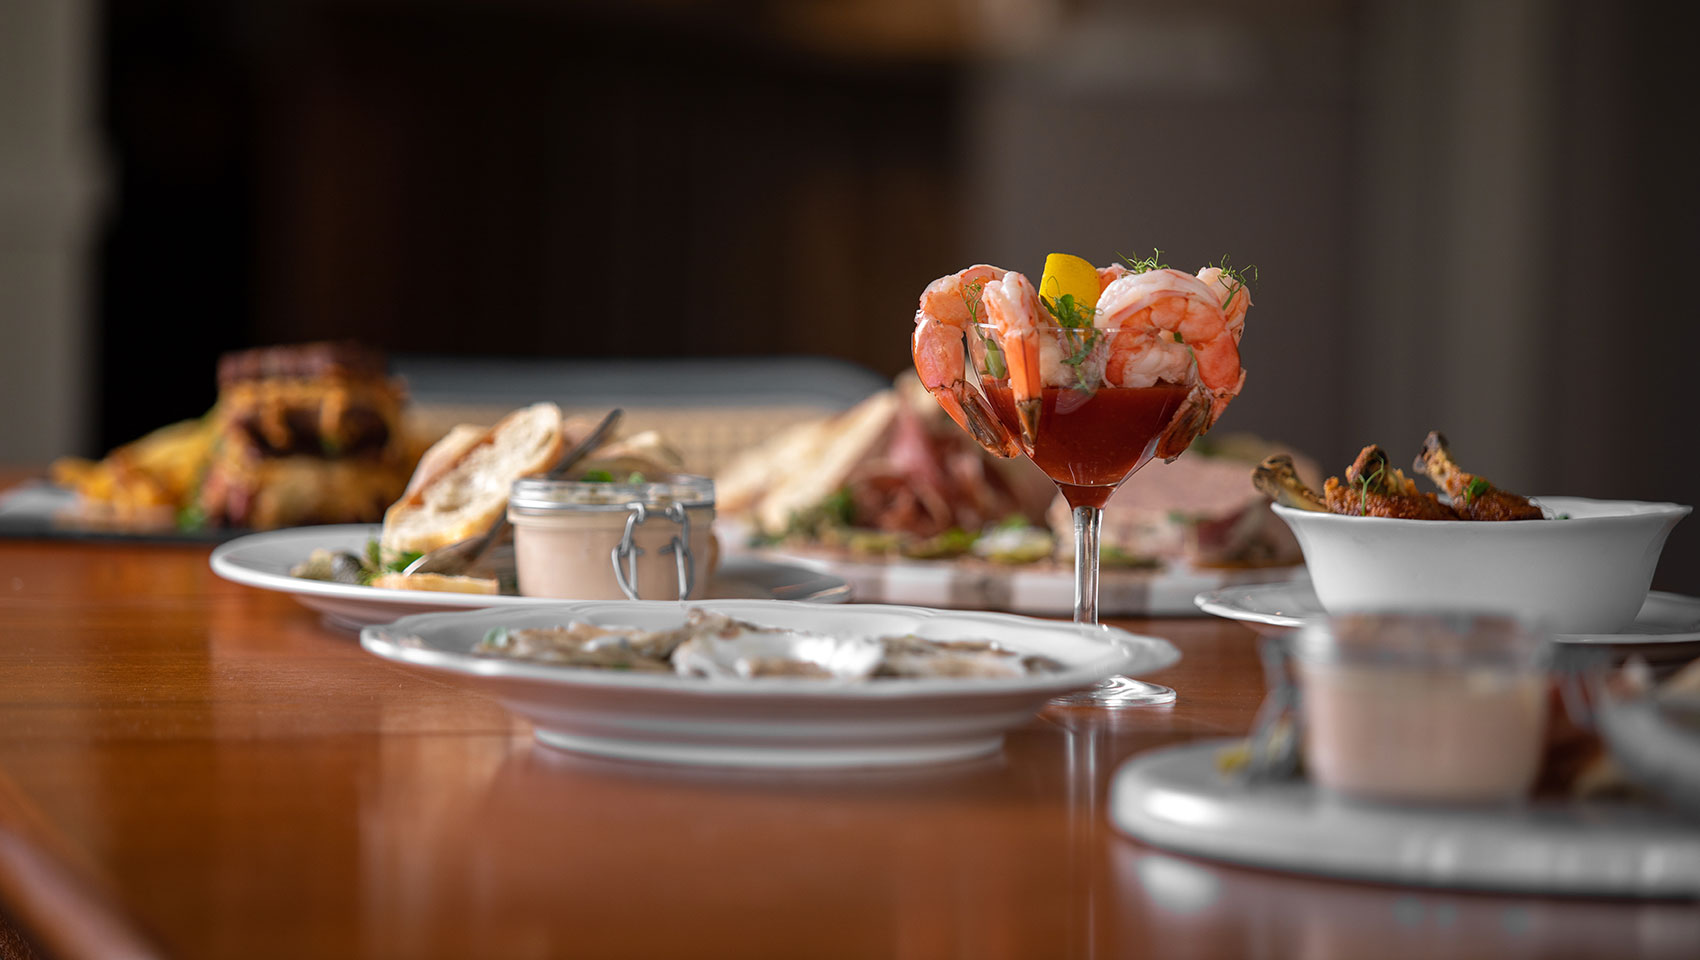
(311, 433)
(304, 434)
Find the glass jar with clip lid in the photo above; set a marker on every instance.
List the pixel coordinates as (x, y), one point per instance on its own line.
(647, 539)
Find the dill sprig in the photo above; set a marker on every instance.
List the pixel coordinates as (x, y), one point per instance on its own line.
(1363, 487)
(1145, 264)
(1239, 278)
(1069, 312)
(1077, 321)
(971, 296)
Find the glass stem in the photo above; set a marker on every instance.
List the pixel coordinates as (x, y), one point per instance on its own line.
(1088, 521)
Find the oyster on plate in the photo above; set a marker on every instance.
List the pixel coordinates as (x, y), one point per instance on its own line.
(913, 656)
(587, 645)
(713, 645)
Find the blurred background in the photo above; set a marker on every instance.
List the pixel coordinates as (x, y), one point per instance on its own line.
(1468, 216)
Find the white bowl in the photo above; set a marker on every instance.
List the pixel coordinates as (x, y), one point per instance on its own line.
(1587, 574)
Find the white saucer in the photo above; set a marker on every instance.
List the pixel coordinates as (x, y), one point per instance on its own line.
(1664, 617)
(1177, 799)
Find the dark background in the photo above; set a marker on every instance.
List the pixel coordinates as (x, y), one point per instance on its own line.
(1477, 217)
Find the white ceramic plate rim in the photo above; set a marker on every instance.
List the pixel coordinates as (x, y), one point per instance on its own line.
(1175, 798)
(1220, 603)
(232, 562)
(1124, 652)
(1582, 510)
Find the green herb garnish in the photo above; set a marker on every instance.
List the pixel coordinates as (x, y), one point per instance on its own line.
(952, 543)
(833, 515)
(1076, 320)
(1112, 556)
(596, 476)
(840, 508)
(1146, 264)
(399, 562)
(868, 543)
(1237, 276)
(1069, 312)
(1081, 347)
(636, 477)
(971, 294)
(191, 517)
(1477, 487)
(1363, 485)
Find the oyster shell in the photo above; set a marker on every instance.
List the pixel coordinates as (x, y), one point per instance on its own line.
(720, 646)
(912, 656)
(586, 645)
(714, 645)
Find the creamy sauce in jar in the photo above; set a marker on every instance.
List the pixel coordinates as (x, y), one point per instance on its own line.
(1423, 735)
(567, 532)
(1422, 708)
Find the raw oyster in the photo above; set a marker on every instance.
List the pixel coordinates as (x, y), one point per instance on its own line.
(586, 645)
(714, 645)
(912, 656)
(720, 646)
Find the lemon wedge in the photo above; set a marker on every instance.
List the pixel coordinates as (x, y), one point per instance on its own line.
(1065, 274)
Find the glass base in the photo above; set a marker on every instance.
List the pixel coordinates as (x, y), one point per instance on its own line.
(1119, 692)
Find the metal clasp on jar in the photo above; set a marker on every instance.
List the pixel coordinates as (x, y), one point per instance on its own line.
(626, 553)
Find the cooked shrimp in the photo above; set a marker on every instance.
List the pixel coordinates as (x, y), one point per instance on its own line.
(1165, 322)
(948, 306)
(1169, 326)
(1012, 306)
(1157, 316)
(1232, 293)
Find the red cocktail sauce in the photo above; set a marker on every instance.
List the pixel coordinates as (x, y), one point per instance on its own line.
(1090, 442)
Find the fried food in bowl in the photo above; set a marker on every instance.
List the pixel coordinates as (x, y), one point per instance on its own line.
(1375, 543)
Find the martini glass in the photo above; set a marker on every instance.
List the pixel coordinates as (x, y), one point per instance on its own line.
(1089, 438)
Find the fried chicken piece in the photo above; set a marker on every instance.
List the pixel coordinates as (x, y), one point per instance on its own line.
(1279, 480)
(1374, 488)
(1473, 497)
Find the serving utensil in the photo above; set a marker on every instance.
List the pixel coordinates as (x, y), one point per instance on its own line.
(455, 557)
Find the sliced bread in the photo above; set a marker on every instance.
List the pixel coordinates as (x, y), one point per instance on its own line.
(465, 497)
(435, 583)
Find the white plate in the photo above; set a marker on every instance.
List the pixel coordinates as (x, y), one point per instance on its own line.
(1664, 617)
(1045, 588)
(1176, 798)
(772, 721)
(264, 559)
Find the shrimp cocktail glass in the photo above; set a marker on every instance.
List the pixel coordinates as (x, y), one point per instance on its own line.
(1090, 375)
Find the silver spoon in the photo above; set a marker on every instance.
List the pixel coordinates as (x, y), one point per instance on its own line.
(456, 557)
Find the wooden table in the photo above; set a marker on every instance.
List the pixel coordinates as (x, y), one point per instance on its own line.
(193, 768)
